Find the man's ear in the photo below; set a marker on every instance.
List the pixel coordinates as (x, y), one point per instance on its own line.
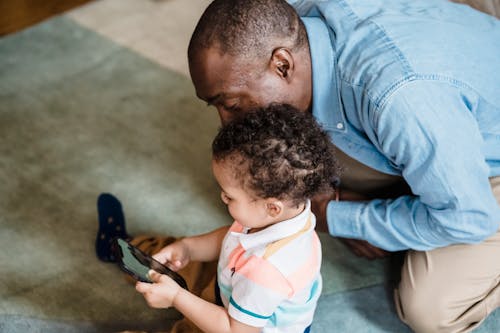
(282, 63)
(274, 207)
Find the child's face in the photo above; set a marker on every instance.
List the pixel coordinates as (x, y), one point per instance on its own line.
(249, 210)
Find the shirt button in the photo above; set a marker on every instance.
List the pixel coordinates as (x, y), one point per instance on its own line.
(340, 125)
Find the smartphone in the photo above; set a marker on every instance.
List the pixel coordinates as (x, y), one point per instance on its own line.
(136, 263)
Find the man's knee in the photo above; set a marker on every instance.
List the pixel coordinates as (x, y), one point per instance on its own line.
(450, 289)
(422, 310)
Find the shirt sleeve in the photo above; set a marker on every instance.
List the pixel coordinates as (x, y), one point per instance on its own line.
(427, 129)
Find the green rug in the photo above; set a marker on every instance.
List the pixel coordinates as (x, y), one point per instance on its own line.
(80, 115)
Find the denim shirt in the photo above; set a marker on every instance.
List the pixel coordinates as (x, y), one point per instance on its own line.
(411, 88)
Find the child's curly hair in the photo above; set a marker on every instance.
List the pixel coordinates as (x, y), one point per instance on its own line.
(279, 152)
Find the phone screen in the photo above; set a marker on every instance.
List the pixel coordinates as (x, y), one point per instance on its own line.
(136, 263)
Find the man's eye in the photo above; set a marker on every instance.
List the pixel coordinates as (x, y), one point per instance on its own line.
(232, 108)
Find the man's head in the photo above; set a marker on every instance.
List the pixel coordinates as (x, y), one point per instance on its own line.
(250, 53)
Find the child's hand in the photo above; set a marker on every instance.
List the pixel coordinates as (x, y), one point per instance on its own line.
(175, 255)
(161, 293)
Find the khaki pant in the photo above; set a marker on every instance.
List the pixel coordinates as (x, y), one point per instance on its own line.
(451, 289)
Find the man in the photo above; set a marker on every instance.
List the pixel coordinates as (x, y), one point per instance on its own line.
(409, 92)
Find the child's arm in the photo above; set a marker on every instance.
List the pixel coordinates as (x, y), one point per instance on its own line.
(205, 247)
(164, 293)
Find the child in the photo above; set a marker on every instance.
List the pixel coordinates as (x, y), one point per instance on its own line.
(268, 165)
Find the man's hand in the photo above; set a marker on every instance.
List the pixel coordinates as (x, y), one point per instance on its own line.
(320, 202)
(364, 249)
(359, 247)
(318, 206)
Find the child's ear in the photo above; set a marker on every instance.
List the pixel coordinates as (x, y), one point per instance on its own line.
(274, 207)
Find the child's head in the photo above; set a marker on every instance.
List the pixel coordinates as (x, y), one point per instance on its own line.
(270, 161)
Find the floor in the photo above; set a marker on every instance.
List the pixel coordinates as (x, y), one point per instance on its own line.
(146, 26)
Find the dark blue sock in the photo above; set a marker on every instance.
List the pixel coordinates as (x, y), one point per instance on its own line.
(111, 225)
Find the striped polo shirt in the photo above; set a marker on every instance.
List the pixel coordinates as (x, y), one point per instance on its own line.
(271, 278)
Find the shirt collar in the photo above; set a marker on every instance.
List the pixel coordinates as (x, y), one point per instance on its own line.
(278, 230)
(326, 106)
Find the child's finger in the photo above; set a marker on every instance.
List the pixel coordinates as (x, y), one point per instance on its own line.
(154, 276)
(142, 287)
(177, 263)
(162, 256)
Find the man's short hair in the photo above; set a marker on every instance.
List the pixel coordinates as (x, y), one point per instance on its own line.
(248, 28)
